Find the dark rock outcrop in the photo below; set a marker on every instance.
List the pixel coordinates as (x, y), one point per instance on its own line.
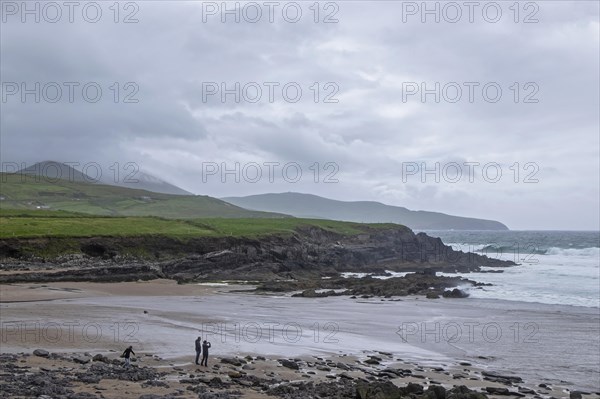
(455, 293)
(411, 284)
(308, 253)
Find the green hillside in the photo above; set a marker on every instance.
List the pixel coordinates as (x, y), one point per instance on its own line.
(27, 192)
(31, 207)
(45, 223)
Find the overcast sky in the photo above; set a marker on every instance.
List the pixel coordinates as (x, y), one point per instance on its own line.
(370, 130)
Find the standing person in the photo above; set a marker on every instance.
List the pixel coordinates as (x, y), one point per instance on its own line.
(198, 348)
(126, 354)
(205, 346)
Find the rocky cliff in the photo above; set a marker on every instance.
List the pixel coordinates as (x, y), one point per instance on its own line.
(307, 253)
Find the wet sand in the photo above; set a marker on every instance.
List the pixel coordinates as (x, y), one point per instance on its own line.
(541, 343)
(27, 292)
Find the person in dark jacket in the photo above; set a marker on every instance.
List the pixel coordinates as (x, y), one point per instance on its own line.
(127, 354)
(198, 343)
(205, 346)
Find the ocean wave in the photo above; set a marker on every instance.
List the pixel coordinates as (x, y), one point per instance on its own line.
(529, 249)
(496, 249)
(504, 292)
(591, 251)
(555, 267)
(509, 249)
(466, 247)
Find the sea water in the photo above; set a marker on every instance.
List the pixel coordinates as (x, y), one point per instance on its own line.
(554, 267)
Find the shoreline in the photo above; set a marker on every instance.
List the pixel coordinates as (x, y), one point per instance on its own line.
(167, 312)
(51, 291)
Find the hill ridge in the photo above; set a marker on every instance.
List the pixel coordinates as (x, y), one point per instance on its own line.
(314, 206)
(109, 200)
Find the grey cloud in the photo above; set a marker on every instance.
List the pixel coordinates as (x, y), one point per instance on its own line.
(369, 133)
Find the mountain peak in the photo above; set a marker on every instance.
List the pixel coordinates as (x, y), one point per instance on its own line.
(52, 170)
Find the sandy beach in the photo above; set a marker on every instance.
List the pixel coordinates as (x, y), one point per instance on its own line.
(68, 290)
(448, 341)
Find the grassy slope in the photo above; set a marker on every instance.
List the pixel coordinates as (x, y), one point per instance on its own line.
(43, 223)
(97, 199)
(92, 210)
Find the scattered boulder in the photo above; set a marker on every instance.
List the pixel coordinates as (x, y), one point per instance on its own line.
(233, 361)
(342, 366)
(502, 378)
(234, 374)
(81, 359)
(455, 293)
(41, 353)
(100, 358)
(289, 364)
